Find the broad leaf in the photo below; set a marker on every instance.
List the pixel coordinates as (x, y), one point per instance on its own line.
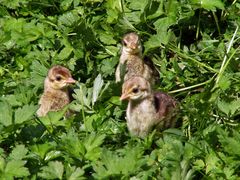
(25, 113)
(210, 5)
(18, 153)
(6, 114)
(52, 171)
(15, 168)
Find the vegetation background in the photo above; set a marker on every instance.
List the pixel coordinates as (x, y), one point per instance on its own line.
(193, 43)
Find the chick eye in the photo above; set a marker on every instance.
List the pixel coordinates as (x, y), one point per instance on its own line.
(58, 78)
(135, 90)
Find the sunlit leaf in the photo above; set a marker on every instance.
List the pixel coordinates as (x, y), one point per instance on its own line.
(92, 144)
(15, 168)
(65, 53)
(210, 5)
(97, 86)
(18, 153)
(38, 74)
(229, 108)
(75, 173)
(53, 170)
(6, 114)
(24, 113)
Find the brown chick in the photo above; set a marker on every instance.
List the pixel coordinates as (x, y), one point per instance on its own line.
(131, 55)
(147, 109)
(56, 92)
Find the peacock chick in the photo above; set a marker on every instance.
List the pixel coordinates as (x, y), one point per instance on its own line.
(131, 57)
(147, 109)
(56, 93)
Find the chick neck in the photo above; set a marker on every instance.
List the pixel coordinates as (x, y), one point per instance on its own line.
(148, 97)
(125, 52)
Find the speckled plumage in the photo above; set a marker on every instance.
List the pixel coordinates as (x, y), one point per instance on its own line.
(56, 91)
(131, 56)
(136, 67)
(147, 109)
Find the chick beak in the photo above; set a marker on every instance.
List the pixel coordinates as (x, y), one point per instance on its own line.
(124, 97)
(133, 46)
(70, 81)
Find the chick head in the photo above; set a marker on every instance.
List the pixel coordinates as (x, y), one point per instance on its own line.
(131, 43)
(59, 77)
(135, 88)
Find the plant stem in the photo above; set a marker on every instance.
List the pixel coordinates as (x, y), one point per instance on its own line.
(216, 20)
(82, 104)
(191, 87)
(194, 60)
(223, 67)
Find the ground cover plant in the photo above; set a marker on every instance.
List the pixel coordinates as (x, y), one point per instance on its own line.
(193, 43)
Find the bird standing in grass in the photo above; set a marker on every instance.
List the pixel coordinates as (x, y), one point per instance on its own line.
(56, 91)
(147, 109)
(131, 57)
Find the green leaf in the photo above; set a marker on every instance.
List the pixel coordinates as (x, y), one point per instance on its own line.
(73, 144)
(153, 42)
(224, 83)
(15, 168)
(52, 155)
(209, 5)
(15, 165)
(14, 3)
(115, 100)
(230, 144)
(65, 4)
(107, 38)
(52, 171)
(6, 114)
(12, 100)
(38, 73)
(74, 173)
(83, 95)
(97, 86)
(2, 164)
(107, 66)
(68, 19)
(41, 149)
(113, 9)
(199, 164)
(92, 145)
(113, 165)
(229, 108)
(25, 113)
(65, 53)
(18, 153)
(54, 118)
(211, 161)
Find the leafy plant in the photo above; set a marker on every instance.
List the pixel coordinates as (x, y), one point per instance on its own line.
(193, 44)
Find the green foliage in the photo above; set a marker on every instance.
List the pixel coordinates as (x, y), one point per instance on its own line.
(13, 165)
(193, 44)
(112, 165)
(54, 170)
